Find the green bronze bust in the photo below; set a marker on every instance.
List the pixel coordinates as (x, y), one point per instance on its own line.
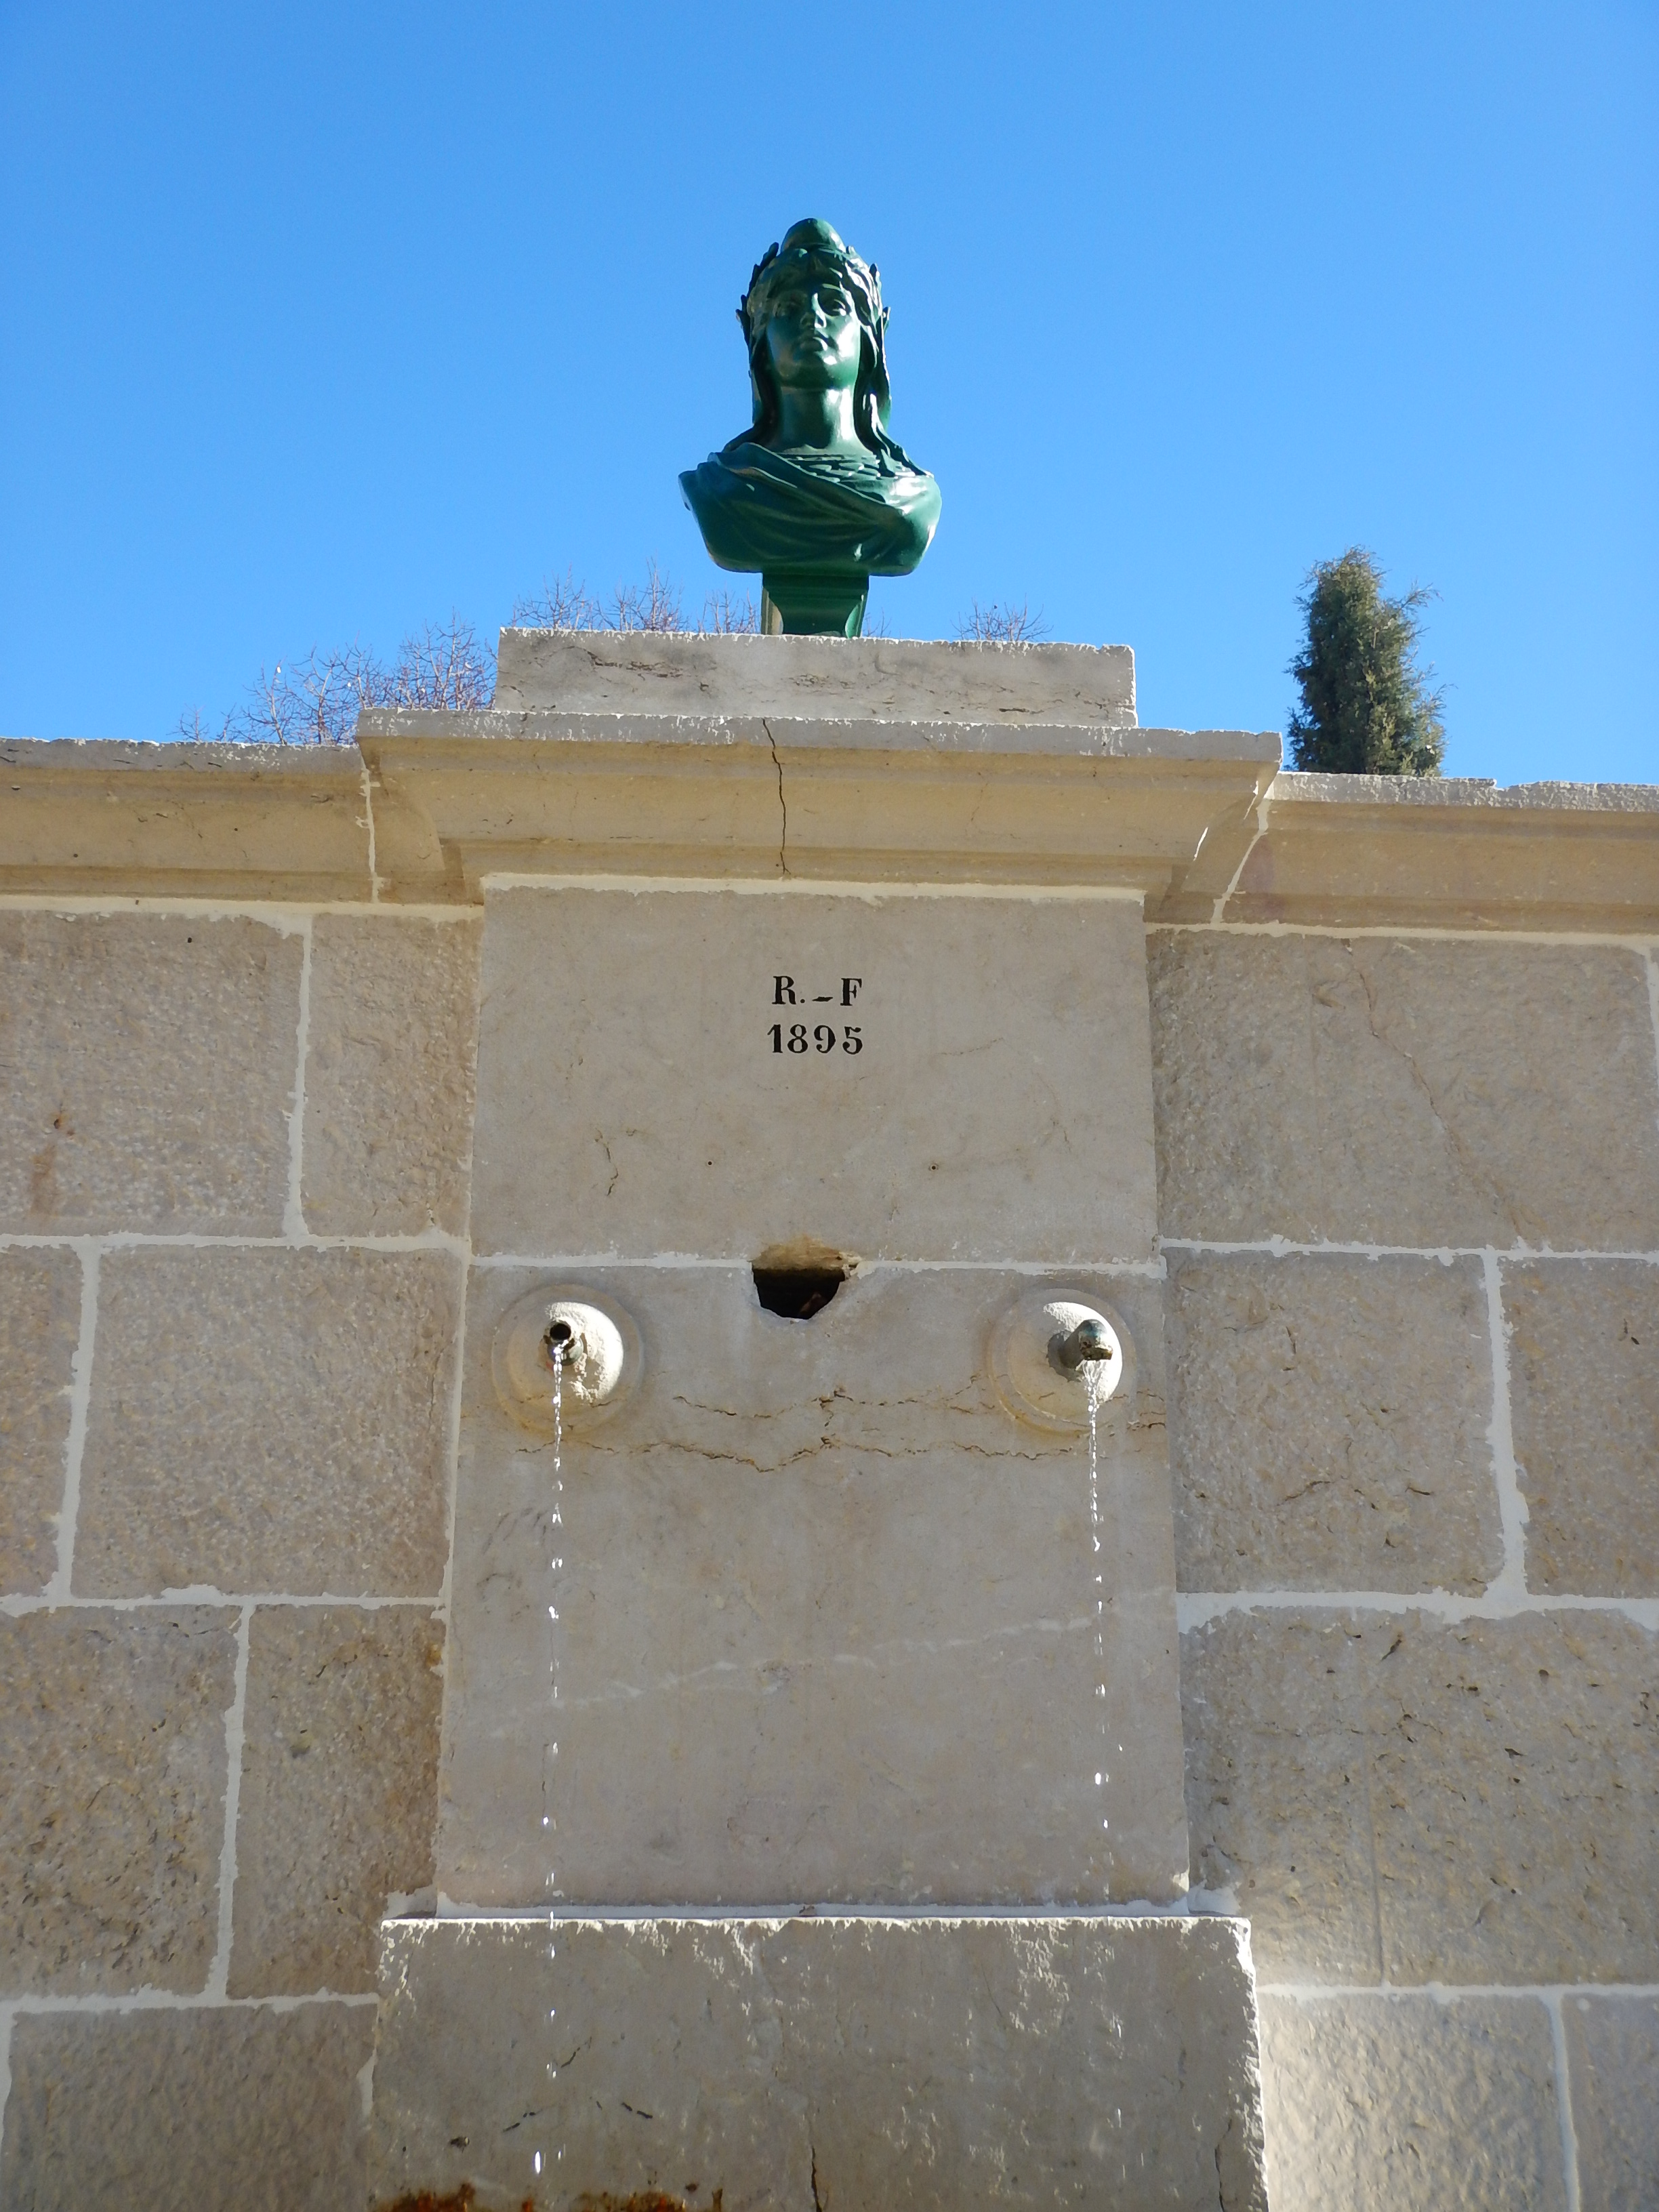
(815, 494)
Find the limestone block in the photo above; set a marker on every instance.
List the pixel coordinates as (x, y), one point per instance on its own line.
(192, 820)
(1516, 1798)
(389, 1065)
(111, 1794)
(1276, 1788)
(1612, 2062)
(1584, 1394)
(147, 1065)
(1454, 853)
(339, 1792)
(1501, 1775)
(39, 1327)
(826, 1627)
(269, 1420)
(823, 2064)
(1426, 1092)
(984, 1094)
(884, 679)
(1411, 2105)
(154, 2111)
(1327, 1423)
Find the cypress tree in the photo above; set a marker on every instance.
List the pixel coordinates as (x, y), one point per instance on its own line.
(1366, 707)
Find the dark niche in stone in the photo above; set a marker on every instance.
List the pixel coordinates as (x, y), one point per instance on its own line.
(798, 1279)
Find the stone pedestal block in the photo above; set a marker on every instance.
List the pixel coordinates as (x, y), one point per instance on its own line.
(820, 2065)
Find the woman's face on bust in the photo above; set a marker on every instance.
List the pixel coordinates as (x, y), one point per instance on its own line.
(813, 333)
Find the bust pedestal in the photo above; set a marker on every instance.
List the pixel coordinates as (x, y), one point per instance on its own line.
(813, 601)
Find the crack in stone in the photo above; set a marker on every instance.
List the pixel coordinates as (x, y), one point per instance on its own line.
(856, 1447)
(783, 805)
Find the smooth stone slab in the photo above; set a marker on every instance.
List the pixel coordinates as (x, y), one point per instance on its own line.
(820, 2066)
(878, 679)
(826, 1626)
(974, 1083)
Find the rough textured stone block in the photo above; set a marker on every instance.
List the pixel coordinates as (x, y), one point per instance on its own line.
(153, 2112)
(1501, 1775)
(834, 2063)
(1612, 2062)
(1327, 1423)
(39, 1327)
(1430, 1092)
(1278, 1786)
(1516, 1799)
(391, 1045)
(826, 1627)
(269, 1420)
(1584, 1393)
(112, 1797)
(147, 1065)
(339, 1791)
(1404, 2105)
(997, 1106)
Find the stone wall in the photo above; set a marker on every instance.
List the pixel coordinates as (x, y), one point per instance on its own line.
(1409, 1200)
(233, 1214)
(1408, 1185)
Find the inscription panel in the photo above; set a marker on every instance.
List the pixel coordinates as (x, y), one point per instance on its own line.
(897, 1077)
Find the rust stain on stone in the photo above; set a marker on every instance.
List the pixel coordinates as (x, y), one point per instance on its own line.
(459, 2200)
(644, 2200)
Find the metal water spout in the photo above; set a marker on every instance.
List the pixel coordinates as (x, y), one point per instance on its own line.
(1092, 1340)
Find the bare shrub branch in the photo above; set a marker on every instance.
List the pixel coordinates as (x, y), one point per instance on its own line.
(316, 700)
(445, 667)
(1002, 623)
(725, 614)
(191, 726)
(655, 605)
(561, 604)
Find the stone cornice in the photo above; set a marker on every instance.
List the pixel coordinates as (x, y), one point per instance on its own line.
(201, 821)
(1455, 853)
(1169, 814)
(1179, 817)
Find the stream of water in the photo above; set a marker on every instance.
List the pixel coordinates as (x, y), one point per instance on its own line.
(550, 1820)
(1092, 1378)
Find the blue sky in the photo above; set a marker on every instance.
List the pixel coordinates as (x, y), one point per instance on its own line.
(319, 321)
